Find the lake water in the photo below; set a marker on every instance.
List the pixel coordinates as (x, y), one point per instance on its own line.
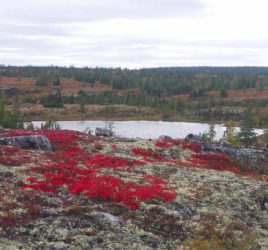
(145, 129)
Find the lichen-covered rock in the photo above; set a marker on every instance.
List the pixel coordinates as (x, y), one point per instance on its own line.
(28, 142)
(165, 137)
(194, 138)
(251, 159)
(103, 132)
(103, 216)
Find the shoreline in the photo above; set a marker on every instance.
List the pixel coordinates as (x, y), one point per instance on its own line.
(118, 113)
(145, 129)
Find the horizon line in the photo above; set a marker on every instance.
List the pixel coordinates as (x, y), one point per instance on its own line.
(128, 68)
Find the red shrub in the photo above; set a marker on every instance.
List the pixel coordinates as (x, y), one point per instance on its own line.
(13, 156)
(108, 161)
(164, 143)
(217, 161)
(147, 154)
(195, 147)
(86, 181)
(60, 139)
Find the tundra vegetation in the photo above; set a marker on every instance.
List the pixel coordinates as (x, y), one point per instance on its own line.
(108, 192)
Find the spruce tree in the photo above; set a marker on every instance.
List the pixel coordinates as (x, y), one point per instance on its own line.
(211, 132)
(247, 135)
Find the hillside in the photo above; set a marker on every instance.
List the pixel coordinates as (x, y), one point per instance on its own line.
(192, 94)
(115, 193)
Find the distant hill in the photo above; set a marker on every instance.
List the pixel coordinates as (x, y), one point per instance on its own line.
(174, 93)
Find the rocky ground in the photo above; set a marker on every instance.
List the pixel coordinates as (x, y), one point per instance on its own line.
(114, 193)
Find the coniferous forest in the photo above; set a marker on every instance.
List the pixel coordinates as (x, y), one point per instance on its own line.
(174, 93)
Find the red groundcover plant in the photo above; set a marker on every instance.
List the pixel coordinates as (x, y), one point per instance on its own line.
(72, 169)
(164, 143)
(217, 161)
(65, 171)
(87, 181)
(60, 139)
(169, 143)
(102, 161)
(13, 156)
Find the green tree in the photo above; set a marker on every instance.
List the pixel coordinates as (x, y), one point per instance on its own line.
(247, 135)
(223, 93)
(53, 100)
(230, 131)
(231, 135)
(42, 81)
(82, 109)
(51, 125)
(180, 107)
(56, 82)
(211, 132)
(9, 119)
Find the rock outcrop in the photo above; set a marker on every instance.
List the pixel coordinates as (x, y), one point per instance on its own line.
(194, 138)
(28, 142)
(251, 159)
(103, 132)
(164, 137)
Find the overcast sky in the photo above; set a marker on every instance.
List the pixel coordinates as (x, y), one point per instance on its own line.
(134, 33)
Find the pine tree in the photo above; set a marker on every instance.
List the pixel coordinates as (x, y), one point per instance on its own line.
(230, 131)
(247, 135)
(9, 119)
(211, 132)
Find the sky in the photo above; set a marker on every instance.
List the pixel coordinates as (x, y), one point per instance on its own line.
(134, 33)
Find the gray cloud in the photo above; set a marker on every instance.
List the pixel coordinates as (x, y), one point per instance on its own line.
(131, 52)
(61, 11)
(145, 33)
(26, 29)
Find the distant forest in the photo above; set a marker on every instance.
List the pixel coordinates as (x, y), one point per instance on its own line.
(154, 81)
(206, 89)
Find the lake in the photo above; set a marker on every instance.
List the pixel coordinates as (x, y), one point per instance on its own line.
(145, 129)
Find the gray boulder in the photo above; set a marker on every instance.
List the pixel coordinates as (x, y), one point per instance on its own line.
(164, 137)
(225, 143)
(103, 132)
(28, 142)
(107, 217)
(194, 138)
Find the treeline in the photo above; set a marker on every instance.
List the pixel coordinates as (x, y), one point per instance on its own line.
(156, 88)
(157, 82)
(9, 118)
(166, 106)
